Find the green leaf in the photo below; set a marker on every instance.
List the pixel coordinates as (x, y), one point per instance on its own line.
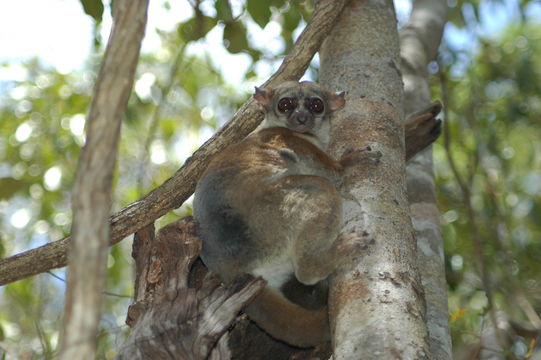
(260, 12)
(255, 54)
(292, 18)
(9, 186)
(235, 37)
(290, 22)
(93, 8)
(250, 74)
(196, 27)
(277, 3)
(223, 10)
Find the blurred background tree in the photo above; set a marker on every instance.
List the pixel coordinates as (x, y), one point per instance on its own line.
(202, 66)
(489, 175)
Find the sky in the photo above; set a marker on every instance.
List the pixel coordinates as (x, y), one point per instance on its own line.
(60, 33)
(25, 33)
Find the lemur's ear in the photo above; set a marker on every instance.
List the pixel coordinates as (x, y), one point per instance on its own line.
(264, 97)
(337, 100)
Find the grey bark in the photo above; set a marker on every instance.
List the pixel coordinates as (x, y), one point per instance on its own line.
(419, 42)
(92, 192)
(377, 309)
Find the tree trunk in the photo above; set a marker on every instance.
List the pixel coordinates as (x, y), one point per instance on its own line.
(377, 308)
(419, 42)
(180, 311)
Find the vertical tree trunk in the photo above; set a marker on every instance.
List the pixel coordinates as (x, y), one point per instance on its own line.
(419, 42)
(377, 308)
(92, 192)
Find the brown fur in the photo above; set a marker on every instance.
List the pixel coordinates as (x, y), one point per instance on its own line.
(268, 206)
(285, 320)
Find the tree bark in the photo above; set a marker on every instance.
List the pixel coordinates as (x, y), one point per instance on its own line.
(92, 192)
(419, 42)
(175, 316)
(377, 308)
(174, 191)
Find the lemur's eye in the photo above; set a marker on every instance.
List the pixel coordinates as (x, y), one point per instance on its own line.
(286, 105)
(316, 105)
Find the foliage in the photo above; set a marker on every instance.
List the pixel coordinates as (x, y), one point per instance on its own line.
(489, 181)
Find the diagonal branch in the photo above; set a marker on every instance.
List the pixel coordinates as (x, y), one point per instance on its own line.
(174, 191)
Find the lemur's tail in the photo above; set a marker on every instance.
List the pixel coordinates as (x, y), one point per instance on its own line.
(287, 321)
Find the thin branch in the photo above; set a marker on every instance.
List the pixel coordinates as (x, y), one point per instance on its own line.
(93, 185)
(446, 132)
(494, 223)
(466, 197)
(108, 293)
(157, 111)
(499, 219)
(174, 191)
